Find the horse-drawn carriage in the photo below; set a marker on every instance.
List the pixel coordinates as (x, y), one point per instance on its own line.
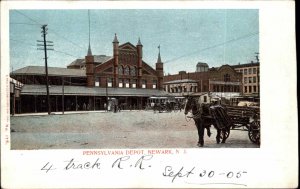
(224, 119)
(246, 118)
(165, 104)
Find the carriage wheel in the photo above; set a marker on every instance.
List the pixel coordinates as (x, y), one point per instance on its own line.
(254, 132)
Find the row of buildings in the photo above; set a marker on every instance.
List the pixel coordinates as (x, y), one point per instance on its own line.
(87, 83)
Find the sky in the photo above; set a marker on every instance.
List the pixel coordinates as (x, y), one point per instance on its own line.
(186, 37)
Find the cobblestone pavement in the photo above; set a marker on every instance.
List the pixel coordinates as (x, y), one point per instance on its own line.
(103, 130)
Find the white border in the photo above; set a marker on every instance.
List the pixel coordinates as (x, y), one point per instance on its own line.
(275, 164)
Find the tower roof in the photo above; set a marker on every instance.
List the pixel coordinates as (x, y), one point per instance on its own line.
(139, 42)
(159, 58)
(89, 53)
(115, 39)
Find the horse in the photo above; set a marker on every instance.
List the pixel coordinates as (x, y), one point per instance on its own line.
(203, 121)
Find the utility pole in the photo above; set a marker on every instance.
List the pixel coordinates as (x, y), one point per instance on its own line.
(257, 57)
(45, 45)
(63, 95)
(106, 95)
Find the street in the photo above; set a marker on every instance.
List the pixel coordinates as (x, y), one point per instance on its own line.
(108, 130)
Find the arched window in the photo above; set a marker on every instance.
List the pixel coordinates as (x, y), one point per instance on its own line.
(120, 70)
(126, 70)
(126, 81)
(109, 82)
(144, 84)
(154, 84)
(133, 71)
(226, 77)
(133, 83)
(120, 83)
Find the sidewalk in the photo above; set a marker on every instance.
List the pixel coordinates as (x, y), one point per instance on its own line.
(68, 112)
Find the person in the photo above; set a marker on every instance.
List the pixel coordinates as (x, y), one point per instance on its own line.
(205, 112)
(84, 106)
(88, 106)
(115, 108)
(105, 107)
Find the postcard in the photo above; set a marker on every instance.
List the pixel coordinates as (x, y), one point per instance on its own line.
(148, 94)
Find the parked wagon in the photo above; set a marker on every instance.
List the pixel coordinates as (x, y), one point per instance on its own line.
(246, 118)
(225, 118)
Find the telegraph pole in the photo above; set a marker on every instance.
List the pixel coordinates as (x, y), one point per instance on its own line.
(63, 95)
(106, 95)
(257, 57)
(45, 45)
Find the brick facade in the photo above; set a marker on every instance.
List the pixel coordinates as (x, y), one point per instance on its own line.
(251, 77)
(222, 79)
(126, 67)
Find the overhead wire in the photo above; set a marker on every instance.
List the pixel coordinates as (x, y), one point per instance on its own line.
(25, 43)
(56, 33)
(171, 60)
(214, 46)
(28, 17)
(16, 23)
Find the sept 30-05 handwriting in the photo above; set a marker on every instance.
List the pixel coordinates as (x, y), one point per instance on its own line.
(144, 162)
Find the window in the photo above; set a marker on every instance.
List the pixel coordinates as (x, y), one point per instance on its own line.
(120, 83)
(154, 84)
(245, 89)
(120, 70)
(254, 89)
(109, 82)
(133, 71)
(126, 70)
(126, 81)
(250, 70)
(254, 70)
(133, 84)
(254, 79)
(245, 80)
(250, 89)
(226, 77)
(245, 71)
(250, 79)
(97, 82)
(144, 82)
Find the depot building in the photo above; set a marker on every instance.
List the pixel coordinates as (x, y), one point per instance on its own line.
(87, 83)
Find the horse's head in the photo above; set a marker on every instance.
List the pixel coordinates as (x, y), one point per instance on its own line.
(190, 104)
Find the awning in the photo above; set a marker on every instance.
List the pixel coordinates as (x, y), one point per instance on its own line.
(90, 91)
